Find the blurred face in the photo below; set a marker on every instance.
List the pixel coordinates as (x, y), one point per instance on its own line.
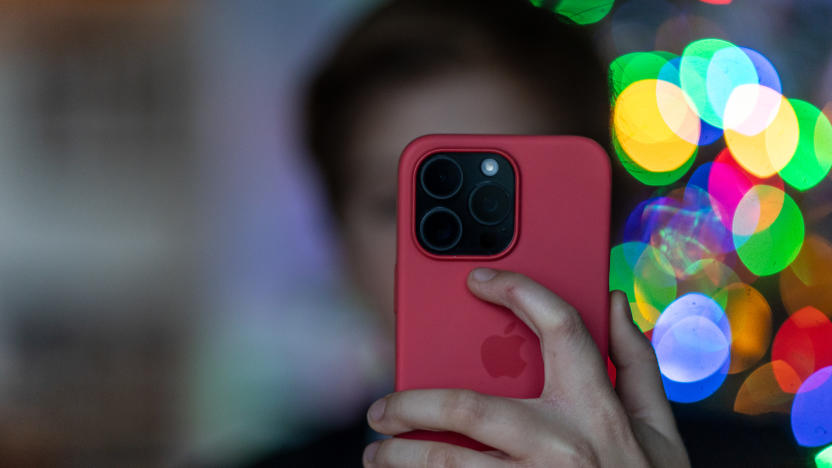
(470, 101)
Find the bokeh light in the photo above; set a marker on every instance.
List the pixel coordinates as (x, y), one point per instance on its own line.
(646, 176)
(711, 69)
(768, 230)
(812, 410)
(578, 11)
(803, 342)
(766, 73)
(693, 73)
(654, 288)
(751, 109)
(636, 66)
(767, 151)
(808, 280)
(758, 209)
(709, 247)
(692, 339)
(655, 125)
(760, 393)
(692, 350)
(824, 458)
(699, 178)
(642, 272)
(684, 227)
(691, 392)
(728, 183)
(708, 276)
(670, 72)
(749, 315)
(728, 68)
(813, 157)
(708, 133)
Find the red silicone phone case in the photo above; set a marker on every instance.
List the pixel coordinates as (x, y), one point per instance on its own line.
(561, 241)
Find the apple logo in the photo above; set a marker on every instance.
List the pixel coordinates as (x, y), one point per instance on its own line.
(501, 353)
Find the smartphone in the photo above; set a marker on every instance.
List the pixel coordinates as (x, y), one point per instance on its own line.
(537, 205)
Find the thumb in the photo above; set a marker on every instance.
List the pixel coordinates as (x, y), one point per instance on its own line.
(638, 382)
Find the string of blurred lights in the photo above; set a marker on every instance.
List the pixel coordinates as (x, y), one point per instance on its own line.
(690, 255)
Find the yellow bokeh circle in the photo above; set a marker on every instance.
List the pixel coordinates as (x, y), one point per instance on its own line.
(767, 152)
(656, 125)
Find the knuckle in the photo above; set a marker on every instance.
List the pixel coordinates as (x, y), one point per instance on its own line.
(565, 323)
(465, 408)
(438, 456)
(581, 455)
(512, 295)
(513, 284)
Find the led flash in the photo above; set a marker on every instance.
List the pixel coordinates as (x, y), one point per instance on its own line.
(489, 167)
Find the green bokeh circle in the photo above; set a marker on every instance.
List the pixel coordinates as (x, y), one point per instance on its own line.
(771, 250)
(813, 157)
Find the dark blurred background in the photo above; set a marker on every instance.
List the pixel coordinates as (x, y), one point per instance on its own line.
(158, 228)
(168, 283)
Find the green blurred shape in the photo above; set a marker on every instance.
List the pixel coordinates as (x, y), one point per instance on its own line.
(771, 250)
(636, 66)
(710, 277)
(643, 274)
(623, 259)
(813, 157)
(824, 458)
(693, 74)
(728, 68)
(578, 11)
(646, 177)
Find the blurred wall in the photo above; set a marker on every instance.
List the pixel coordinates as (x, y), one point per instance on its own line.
(96, 227)
(278, 334)
(163, 256)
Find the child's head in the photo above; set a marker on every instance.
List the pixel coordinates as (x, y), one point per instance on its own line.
(415, 67)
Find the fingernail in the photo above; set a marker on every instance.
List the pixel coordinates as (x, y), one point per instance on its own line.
(483, 274)
(370, 452)
(376, 410)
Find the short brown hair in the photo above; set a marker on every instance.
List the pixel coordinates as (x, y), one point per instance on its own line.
(407, 40)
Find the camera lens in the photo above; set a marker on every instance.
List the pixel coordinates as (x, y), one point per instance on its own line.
(441, 177)
(489, 203)
(440, 229)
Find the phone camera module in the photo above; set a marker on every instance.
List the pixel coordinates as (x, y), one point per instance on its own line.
(440, 229)
(441, 177)
(489, 203)
(464, 203)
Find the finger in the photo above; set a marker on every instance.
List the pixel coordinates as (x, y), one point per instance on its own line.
(638, 382)
(502, 423)
(420, 453)
(571, 360)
